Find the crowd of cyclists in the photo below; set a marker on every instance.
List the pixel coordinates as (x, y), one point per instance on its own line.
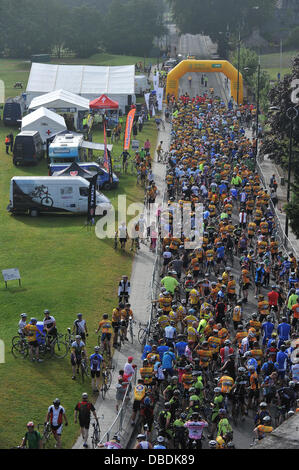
(223, 349)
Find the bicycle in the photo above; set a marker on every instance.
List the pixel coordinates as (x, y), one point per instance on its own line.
(107, 380)
(84, 369)
(143, 333)
(59, 347)
(45, 434)
(19, 347)
(96, 434)
(130, 329)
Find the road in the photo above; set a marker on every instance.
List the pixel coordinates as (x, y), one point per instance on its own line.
(202, 47)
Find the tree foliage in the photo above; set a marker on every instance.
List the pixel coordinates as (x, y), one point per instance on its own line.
(212, 16)
(43, 26)
(277, 141)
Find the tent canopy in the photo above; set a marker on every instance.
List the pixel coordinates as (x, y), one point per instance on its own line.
(103, 102)
(45, 121)
(74, 170)
(81, 79)
(60, 99)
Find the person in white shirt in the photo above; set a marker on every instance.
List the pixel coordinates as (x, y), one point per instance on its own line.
(55, 416)
(80, 327)
(22, 323)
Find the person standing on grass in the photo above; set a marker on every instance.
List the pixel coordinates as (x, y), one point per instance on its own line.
(32, 437)
(31, 330)
(83, 410)
(55, 416)
(7, 144)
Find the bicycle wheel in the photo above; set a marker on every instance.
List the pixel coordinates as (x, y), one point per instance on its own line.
(141, 335)
(60, 348)
(20, 349)
(104, 390)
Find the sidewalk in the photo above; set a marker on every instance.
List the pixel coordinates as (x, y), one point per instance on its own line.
(140, 299)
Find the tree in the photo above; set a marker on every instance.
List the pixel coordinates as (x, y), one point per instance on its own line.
(84, 33)
(276, 142)
(130, 26)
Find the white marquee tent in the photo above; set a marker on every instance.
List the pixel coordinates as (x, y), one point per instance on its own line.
(46, 122)
(61, 101)
(90, 82)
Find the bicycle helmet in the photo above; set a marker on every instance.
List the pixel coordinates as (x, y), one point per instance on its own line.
(116, 438)
(241, 370)
(79, 315)
(263, 404)
(217, 390)
(84, 396)
(77, 337)
(56, 402)
(227, 342)
(176, 392)
(222, 411)
(46, 311)
(183, 415)
(174, 377)
(32, 320)
(30, 424)
(212, 444)
(195, 415)
(141, 436)
(23, 315)
(266, 419)
(291, 413)
(292, 383)
(97, 348)
(167, 405)
(160, 439)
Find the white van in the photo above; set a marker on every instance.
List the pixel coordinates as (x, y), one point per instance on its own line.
(36, 194)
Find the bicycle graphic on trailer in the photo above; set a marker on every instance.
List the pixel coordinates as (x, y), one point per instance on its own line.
(42, 192)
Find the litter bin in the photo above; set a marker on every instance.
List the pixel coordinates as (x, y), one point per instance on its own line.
(282, 181)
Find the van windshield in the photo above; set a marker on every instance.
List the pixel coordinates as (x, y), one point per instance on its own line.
(84, 192)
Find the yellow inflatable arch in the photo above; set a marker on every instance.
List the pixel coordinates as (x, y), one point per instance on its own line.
(205, 66)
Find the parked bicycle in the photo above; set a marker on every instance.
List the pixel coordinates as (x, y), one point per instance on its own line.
(107, 380)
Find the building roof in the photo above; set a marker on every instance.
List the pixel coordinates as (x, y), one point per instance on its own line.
(60, 99)
(82, 79)
(42, 113)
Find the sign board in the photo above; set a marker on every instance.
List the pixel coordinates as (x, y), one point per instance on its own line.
(11, 275)
(135, 144)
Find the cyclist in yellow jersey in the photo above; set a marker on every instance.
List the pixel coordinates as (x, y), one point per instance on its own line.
(106, 326)
(31, 331)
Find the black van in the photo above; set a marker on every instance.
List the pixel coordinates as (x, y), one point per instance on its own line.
(12, 113)
(28, 148)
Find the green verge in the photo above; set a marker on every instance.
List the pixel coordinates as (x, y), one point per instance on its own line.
(65, 268)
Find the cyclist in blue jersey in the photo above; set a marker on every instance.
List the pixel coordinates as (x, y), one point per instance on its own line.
(284, 331)
(267, 329)
(282, 362)
(96, 361)
(180, 346)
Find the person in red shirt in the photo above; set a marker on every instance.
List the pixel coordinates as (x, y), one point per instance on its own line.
(273, 298)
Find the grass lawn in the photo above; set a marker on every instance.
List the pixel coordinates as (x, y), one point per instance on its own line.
(65, 268)
(271, 63)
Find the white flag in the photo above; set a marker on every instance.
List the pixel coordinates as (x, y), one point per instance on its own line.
(146, 97)
(160, 92)
(153, 111)
(156, 81)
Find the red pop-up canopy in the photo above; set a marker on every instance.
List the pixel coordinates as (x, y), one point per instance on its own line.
(103, 102)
